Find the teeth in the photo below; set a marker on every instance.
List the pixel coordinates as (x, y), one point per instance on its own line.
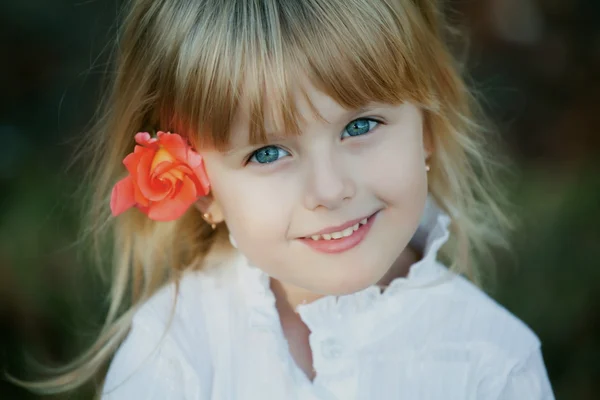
(338, 235)
(347, 232)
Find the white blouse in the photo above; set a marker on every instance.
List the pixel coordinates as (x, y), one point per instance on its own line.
(431, 335)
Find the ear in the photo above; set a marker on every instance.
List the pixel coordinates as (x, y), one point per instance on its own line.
(209, 205)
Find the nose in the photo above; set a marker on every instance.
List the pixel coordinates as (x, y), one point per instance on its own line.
(329, 182)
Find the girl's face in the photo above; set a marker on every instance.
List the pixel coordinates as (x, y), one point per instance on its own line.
(357, 164)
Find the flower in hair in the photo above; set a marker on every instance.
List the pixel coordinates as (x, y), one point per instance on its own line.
(166, 176)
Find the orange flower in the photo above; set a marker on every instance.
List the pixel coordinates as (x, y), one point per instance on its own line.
(165, 178)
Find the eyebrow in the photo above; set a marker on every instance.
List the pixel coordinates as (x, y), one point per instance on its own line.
(366, 108)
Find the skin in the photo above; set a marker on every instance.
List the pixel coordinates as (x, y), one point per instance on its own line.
(324, 177)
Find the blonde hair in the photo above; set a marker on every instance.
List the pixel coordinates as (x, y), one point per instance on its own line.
(186, 66)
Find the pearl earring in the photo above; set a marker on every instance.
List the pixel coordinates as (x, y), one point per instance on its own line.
(427, 168)
(208, 218)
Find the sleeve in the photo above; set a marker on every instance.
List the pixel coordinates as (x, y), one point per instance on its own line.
(150, 365)
(528, 379)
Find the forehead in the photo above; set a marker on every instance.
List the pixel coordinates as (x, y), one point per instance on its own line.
(310, 106)
(307, 101)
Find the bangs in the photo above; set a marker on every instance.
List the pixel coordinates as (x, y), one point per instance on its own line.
(257, 53)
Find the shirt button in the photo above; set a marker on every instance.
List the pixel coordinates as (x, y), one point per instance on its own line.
(330, 348)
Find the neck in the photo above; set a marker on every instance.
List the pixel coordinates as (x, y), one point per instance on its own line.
(289, 296)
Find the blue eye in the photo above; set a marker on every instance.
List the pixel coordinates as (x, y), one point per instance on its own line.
(359, 127)
(268, 154)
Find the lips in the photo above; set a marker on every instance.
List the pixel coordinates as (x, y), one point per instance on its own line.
(340, 228)
(326, 243)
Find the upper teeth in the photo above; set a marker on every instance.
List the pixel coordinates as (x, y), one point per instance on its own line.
(338, 235)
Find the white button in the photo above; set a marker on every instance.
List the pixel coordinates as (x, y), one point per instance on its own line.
(330, 348)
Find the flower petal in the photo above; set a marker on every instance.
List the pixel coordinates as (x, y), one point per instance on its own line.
(132, 160)
(161, 156)
(196, 163)
(174, 144)
(140, 199)
(144, 139)
(174, 207)
(143, 209)
(202, 186)
(168, 174)
(151, 188)
(171, 170)
(122, 197)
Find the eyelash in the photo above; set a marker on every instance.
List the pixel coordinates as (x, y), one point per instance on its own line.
(253, 154)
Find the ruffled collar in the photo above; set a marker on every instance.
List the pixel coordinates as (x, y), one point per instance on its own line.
(335, 313)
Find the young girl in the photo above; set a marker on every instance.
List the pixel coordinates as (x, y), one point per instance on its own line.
(292, 171)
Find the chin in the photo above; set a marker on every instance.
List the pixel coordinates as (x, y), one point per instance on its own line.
(348, 283)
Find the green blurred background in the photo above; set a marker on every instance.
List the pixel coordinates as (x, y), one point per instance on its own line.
(536, 62)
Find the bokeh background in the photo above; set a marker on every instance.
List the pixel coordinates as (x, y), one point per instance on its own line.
(536, 63)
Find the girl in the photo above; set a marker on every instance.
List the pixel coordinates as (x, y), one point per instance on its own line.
(293, 170)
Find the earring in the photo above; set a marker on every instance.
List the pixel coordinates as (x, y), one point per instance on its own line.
(208, 218)
(427, 168)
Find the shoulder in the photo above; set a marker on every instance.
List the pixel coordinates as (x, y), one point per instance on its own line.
(468, 314)
(154, 360)
(168, 348)
(183, 310)
(503, 352)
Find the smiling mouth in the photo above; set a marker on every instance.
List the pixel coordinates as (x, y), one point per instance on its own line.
(340, 234)
(345, 238)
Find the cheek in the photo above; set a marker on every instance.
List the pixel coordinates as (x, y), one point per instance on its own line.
(256, 209)
(258, 218)
(397, 173)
